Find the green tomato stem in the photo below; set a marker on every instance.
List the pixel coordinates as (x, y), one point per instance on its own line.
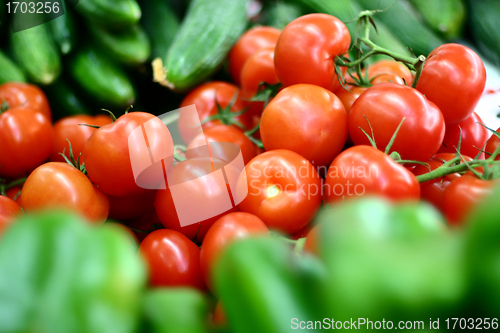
(446, 169)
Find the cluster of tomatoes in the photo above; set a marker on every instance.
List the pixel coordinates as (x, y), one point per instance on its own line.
(317, 141)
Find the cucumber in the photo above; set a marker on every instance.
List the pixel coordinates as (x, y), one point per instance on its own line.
(9, 71)
(445, 17)
(63, 30)
(161, 24)
(115, 14)
(37, 54)
(104, 81)
(209, 30)
(405, 23)
(279, 14)
(64, 100)
(128, 46)
(483, 22)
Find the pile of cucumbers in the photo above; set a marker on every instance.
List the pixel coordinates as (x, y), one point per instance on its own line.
(100, 54)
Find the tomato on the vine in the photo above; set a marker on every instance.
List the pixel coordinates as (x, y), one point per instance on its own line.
(9, 210)
(308, 120)
(19, 94)
(381, 109)
(492, 144)
(453, 77)
(306, 50)
(389, 71)
(173, 260)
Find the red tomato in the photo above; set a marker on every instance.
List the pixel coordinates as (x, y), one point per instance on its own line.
(14, 193)
(60, 185)
(141, 226)
(311, 244)
(385, 105)
(389, 71)
(69, 128)
(131, 206)
(26, 140)
(172, 259)
(474, 137)
(306, 50)
(462, 195)
(107, 153)
(9, 210)
(206, 191)
(492, 144)
(284, 190)
(27, 95)
(453, 78)
(250, 42)
(224, 133)
(308, 120)
(205, 97)
(364, 170)
(348, 97)
(223, 232)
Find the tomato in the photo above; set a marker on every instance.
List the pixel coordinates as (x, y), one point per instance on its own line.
(347, 97)
(27, 95)
(224, 133)
(141, 226)
(453, 78)
(389, 71)
(108, 152)
(9, 210)
(203, 196)
(219, 316)
(284, 190)
(131, 206)
(384, 106)
(26, 140)
(250, 42)
(172, 259)
(306, 50)
(14, 193)
(205, 98)
(311, 243)
(308, 120)
(60, 185)
(364, 170)
(70, 128)
(462, 195)
(492, 144)
(474, 137)
(223, 232)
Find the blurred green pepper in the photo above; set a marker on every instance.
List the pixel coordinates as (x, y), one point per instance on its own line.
(59, 274)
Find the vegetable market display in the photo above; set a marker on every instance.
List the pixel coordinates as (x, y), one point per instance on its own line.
(368, 196)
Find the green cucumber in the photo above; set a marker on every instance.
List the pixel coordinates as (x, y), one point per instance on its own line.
(104, 81)
(9, 70)
(110, 13)
(484, 17)
(36, 52)
(64, 100)
(63, 30)
(128, 46)
(279, 14)
(405, 23)
(161, 24)
(3, 15)
(445, 17)
(209, 30)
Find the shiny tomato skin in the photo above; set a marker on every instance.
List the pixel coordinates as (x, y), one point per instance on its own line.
(60, 185)
(492, 144)
(257, 69)
(224, 133)
(308, 120)
(206, 97)
(284, 190)
(26, 141)
(9, 210)
(453, 77)
(462, 195)
(384, 106)
(107, 156)
(27, 95)
(474, 137)
(364, 170)
(183, 172)
(348, 97)
(389, 71)
(223, 232)
(306, 50)
(250, 42)
(69, 128)
(172, 259)
(132, 206)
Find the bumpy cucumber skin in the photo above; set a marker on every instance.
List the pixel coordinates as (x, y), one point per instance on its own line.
(101, 79)
(36, 52)
(129, 46)
(209, 30)
(9, 71)
(445, 17)
(484, 18)
(162, 25)
(110, 13)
